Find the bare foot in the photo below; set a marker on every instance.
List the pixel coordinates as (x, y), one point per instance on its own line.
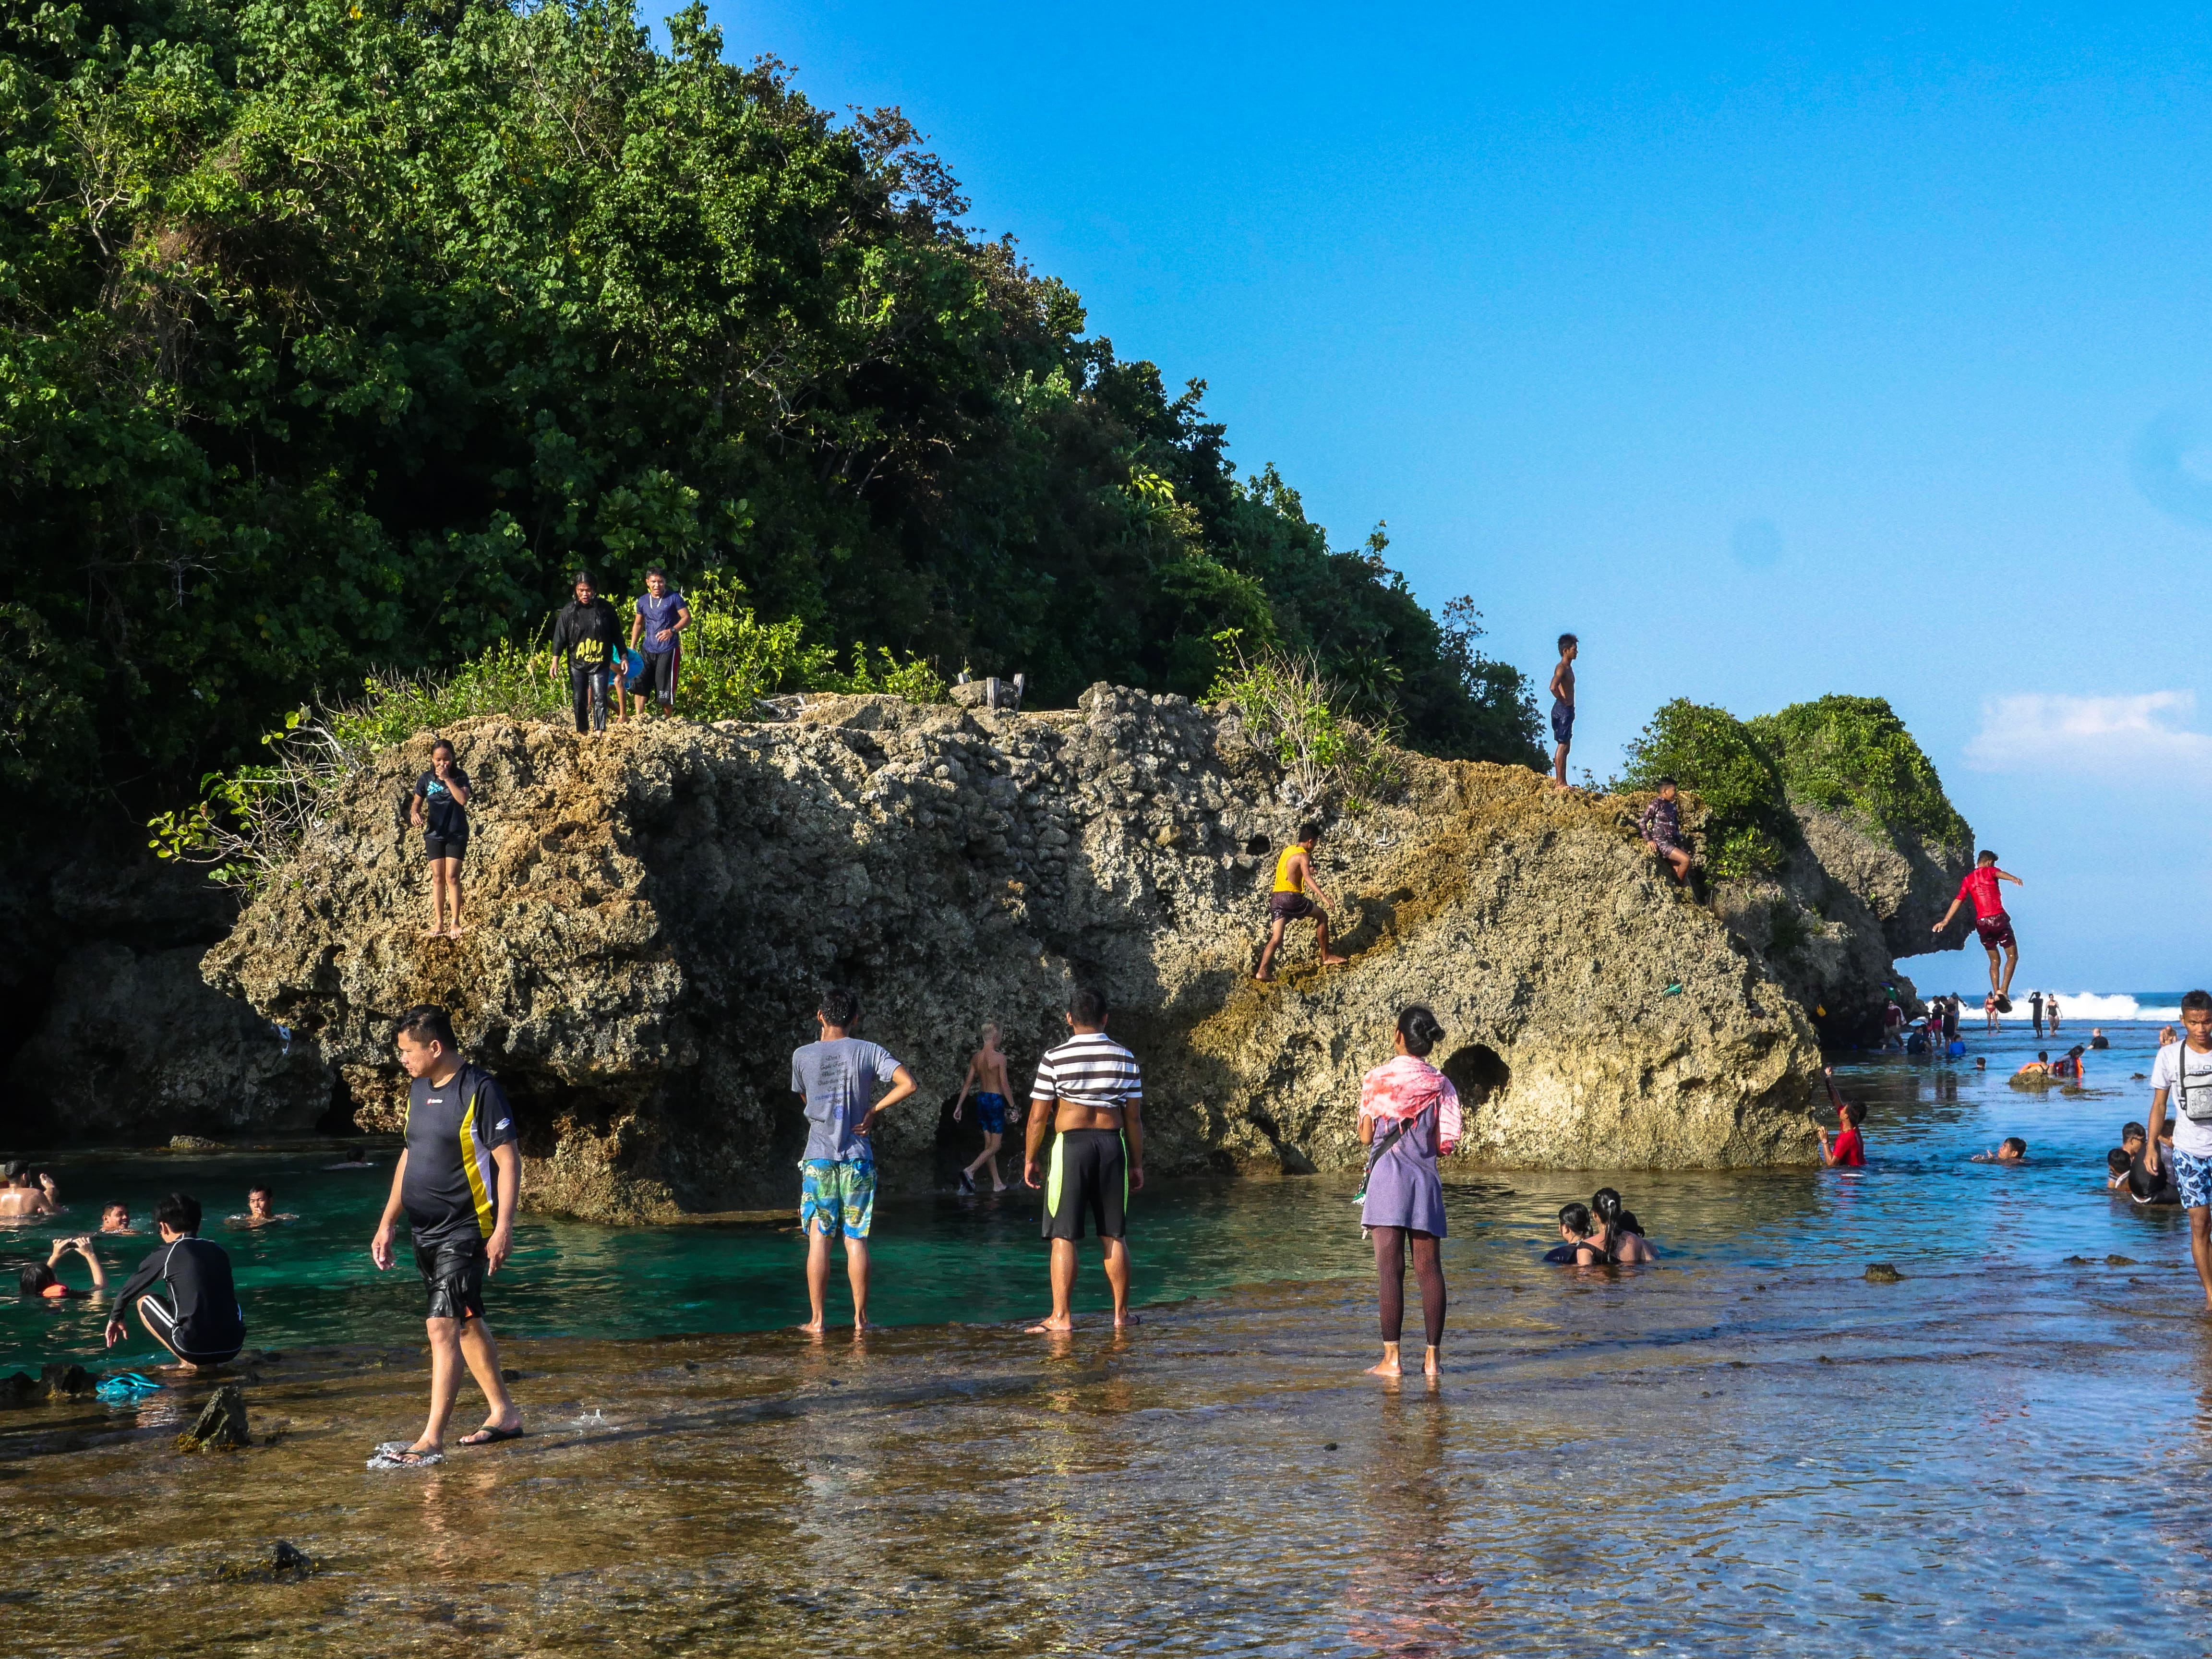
(1121, 1319)
(434, 933)
(862, 1328)
(1263, 979)
(1053, 1326)
(1388, 1368)
(456, 930)
(812, 1327)
(1334, 961)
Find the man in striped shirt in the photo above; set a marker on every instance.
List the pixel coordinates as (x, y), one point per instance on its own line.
(1089, 1092)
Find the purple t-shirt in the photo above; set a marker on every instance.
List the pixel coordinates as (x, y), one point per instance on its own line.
(659, 614)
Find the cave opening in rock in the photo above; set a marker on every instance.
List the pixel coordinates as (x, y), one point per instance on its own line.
(1257, 845)
(1476, 1071)
(338, 1118)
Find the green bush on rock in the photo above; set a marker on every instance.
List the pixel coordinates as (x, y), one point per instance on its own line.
(1708, 751)
(1853, 755)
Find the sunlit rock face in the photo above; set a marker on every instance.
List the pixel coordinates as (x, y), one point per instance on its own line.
(656, 910)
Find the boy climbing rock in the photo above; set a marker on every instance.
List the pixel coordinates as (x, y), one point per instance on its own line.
(1991, 922)
(1297, 894)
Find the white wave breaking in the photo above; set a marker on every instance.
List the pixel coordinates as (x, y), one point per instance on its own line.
(2100, 1008)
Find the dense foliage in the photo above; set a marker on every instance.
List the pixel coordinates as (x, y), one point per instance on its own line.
(332, 332)
(1747, 826)
(1853, 755)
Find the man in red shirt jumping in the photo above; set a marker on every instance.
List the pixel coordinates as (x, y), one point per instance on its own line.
(1991, 922)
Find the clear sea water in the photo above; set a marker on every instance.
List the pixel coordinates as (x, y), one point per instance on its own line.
(945, 1259)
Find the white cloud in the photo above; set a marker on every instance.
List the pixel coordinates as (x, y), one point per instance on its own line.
(2038, 730)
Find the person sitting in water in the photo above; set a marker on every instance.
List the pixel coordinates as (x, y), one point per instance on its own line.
(2097, 1038)
(1981, 1063)
(1849, 1151)
(2069, 1065)
(1618, 1232)
(115, 1218)
(357, 1158)
(1579, 1247)
(25, 1194)
(2118, 1168)
(2011, 1149)
(2167, 1034)
(40, 1280)
(260, 1209)
(199, 1322)
(2039, 1066)
(2144, 1186)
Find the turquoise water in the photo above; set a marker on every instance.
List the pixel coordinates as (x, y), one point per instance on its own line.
(946, 1259)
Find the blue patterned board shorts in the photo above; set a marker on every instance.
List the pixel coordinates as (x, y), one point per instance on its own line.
(991, 1113)
(2193, 1176)
(834, 1195)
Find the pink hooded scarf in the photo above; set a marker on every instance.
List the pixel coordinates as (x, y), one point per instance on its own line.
(1403, 1087)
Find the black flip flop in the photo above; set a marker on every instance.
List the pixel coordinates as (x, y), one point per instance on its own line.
(489, 1437)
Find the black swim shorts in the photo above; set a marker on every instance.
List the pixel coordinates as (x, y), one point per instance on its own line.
(200, 1341)
(454, 1273)
(444, 847)
(1562, 721)
(1289, 907)
(660, 675)
(1089, 1174)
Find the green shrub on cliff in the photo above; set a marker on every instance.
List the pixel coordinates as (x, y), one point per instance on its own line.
(1748, 827)
(333, 333)
(1853, 755)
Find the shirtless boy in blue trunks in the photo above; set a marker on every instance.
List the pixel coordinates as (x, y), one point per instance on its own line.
(1563, 707)
(987, 1076)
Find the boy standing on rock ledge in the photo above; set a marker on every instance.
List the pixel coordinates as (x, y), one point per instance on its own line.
(1563, 707)
(833, 1079)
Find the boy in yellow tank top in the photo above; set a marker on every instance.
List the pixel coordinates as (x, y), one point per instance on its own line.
(1297, 894)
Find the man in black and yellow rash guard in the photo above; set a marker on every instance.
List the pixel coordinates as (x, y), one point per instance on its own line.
(589, 634)
(459, 1181)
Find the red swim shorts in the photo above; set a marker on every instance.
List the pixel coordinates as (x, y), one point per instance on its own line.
(1996, 931)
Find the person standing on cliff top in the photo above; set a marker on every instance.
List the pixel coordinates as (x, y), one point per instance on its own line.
(1090, 1093)
(1563, 707)
(834, 1078)
(1297, 894)
(438, 809)
(588, 633)
(460, 1180)
(1994, 926)
(656, 629)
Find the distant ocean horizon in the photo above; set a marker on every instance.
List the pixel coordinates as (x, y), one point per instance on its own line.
(2096, 1007)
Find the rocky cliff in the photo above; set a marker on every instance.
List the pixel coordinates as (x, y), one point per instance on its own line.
(656, 909)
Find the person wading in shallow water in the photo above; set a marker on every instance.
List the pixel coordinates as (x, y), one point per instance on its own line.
(1089, 1090)
(1409, 1116)
(2182, 1074)
(833, 1079)
(459, 1181)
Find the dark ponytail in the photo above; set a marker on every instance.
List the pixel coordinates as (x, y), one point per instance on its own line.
(1576, 1218)
(1417, 1024)
(1605, 1204)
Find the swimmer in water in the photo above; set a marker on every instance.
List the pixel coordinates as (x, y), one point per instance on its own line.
(23, 1194)
(1619, 1231)
(41, 1281)
(2070, 1065)
(2011, 1149)
(1848, 1150)
(260, 1210)
(2039, 1066)
(987, 1076)
(1579, 1246)
(115, 1219)
(357, 1158)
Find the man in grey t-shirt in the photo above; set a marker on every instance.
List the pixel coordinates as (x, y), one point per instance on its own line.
(834, 1079)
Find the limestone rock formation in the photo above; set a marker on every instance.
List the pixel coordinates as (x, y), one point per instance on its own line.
(655, 911)
(136, 1044)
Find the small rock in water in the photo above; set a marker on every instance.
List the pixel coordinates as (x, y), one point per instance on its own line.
(19, 1388)
(2120, 1261)
(193, 1143)
(1330, 1447)
(222, 1422)
(510, 1374)
(2079, 1262)
(1881, 1272)
(287, 1561)
(62, 1381)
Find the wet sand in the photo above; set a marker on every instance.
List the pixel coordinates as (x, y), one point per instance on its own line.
(1708, 1459)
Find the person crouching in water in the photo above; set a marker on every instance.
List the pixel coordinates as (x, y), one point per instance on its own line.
(1618, 1230)
(1409, 1116)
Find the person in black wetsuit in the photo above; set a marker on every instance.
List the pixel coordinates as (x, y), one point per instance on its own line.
(459, 1181)
(199, 1321)
(588, 633)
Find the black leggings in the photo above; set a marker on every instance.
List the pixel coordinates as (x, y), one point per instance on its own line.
(1390, 1271)
(587, 686)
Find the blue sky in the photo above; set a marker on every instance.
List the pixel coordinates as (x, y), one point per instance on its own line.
(1773, 354)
